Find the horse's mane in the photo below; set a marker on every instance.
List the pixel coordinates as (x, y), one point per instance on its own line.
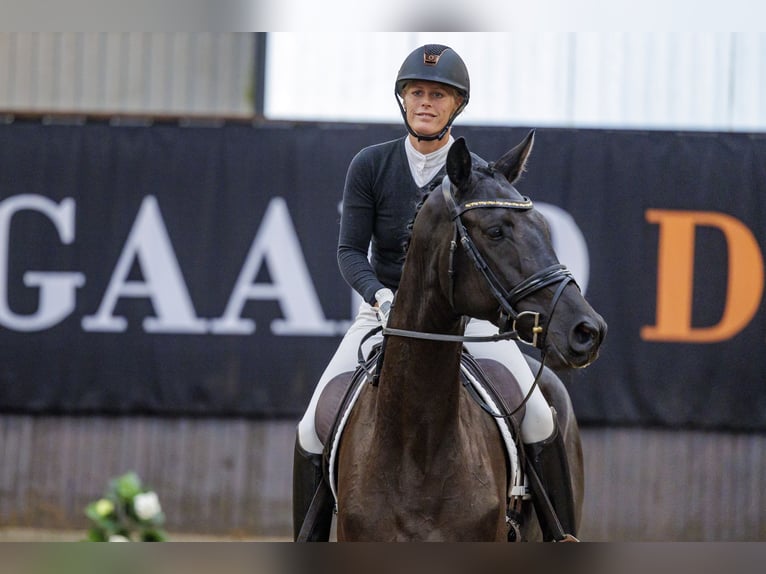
(418, 207)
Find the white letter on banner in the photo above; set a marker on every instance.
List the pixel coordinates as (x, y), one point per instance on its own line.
(164, 284)
(568, 242)
(57, 288)
(277, 244)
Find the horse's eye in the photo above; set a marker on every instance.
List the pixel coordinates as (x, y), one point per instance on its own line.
(495, 232)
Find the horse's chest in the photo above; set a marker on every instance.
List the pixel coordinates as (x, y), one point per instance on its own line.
(426, 485)
(430, 508)
(458, 496)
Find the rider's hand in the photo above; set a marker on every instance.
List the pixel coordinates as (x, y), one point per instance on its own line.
(383, 300)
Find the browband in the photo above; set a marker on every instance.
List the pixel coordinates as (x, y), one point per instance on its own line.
(457, 210)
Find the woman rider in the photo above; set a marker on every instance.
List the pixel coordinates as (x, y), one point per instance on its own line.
(384, 184)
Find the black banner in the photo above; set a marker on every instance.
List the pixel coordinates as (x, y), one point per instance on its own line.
(191, 270)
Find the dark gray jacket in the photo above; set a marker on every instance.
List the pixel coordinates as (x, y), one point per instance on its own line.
(379, 201)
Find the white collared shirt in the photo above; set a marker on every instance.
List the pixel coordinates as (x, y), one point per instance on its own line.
(425, 166)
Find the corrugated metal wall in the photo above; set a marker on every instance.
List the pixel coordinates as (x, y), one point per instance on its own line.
(127, 72)
(668, 485)
(213, 476)
(233, 477)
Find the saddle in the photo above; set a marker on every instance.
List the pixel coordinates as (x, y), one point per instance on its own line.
(488, 382)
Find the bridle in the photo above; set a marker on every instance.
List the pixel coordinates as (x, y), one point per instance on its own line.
(510, 319)
(509, 316)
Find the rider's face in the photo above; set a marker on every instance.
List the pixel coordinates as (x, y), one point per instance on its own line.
(429, 106)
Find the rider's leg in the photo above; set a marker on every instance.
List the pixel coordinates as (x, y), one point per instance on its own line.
(549, 460)
(307, 469)
(307, 481)
(539, 429)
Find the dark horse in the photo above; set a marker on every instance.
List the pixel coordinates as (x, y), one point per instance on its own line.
(419, 459)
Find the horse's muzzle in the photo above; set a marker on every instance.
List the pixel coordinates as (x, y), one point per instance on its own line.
(584, 340)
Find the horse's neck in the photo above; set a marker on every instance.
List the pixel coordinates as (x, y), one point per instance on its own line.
(419, 388)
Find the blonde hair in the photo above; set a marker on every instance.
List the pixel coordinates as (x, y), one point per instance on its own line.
(454, 92)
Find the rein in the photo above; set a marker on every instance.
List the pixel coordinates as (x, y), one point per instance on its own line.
(509, 317)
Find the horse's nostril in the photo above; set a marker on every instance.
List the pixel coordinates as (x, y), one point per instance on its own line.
(585, 335)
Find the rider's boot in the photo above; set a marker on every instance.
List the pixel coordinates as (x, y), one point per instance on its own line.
(309, 486)
(549, 460)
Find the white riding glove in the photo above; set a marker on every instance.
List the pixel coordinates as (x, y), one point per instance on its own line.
(384, 298)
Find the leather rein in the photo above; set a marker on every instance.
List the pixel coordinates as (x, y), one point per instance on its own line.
(510, 318)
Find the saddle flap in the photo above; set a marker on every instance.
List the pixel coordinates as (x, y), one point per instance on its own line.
(502, 385)
(335, 398)
(330, 405)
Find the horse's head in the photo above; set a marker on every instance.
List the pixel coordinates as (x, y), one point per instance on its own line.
(504, 268)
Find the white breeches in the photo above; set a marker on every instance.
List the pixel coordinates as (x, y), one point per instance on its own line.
(538, 419)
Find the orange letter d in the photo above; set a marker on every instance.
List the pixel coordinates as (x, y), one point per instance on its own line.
(675, 277)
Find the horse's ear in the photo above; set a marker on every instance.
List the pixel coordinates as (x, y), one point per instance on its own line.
(459, 163)
(512, 164)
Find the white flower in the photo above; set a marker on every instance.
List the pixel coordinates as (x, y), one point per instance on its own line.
(146, 505)
(118, 538)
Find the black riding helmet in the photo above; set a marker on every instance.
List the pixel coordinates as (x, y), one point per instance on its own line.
(433, 63)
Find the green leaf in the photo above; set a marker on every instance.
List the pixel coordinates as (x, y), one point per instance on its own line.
(96, 535)
(128, 485)
(154, 535)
